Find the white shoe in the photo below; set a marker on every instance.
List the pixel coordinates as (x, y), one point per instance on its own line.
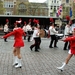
(15, 63)
(60, 68)
(19, 64)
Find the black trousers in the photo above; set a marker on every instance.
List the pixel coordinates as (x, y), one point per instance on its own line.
(5, 39)
(36, 44)
(29, 35)
(53, 40)
(66, 46)
(39, 42)
(25, 36)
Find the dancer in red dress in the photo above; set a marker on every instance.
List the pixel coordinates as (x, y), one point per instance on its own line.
(71, 51)
(17, 33)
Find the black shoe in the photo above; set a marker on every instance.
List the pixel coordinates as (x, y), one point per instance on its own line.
(50, 47)
(31, 48)
(36, 51)
(65, 49)
(6, 41)
(39, 48)
(55, 46)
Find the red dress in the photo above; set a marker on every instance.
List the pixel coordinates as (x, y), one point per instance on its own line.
(72, 44)
(17, 37)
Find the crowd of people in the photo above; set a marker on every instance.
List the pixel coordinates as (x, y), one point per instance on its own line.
(33, 33)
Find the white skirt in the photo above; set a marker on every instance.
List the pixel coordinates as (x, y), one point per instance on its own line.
(69, 52)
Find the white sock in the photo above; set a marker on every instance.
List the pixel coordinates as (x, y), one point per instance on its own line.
(15, 59)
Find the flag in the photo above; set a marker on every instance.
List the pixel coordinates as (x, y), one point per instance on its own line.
(59, 10)
(70, 12)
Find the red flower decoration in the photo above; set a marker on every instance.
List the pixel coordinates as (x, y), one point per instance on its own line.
(35, 21)
(68, 18)
(51, 20)
(7, 20)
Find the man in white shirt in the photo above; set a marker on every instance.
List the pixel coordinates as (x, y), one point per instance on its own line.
(35, 37)
(29, 31)
(6, 29)
(66, 33)
(24, 28)
(53, 33)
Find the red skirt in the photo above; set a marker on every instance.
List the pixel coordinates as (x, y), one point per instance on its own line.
(18, 44)
(73, 50)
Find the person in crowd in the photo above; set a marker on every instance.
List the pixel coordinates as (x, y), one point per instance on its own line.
(24, 28)
(39, 38)
(72, 25)
(71, 51)
(17, 33)
(6, 29)
(29, 31)
(35, 37)
(52, 35)
(66, 33)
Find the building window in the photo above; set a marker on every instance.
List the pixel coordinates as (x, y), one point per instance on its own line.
(8, 4)
(22, 6)
(51, 7)
(67, 1)
(57, 7)
(22, 9)
(54, 1)
(51, 14)
(54, 8)
(57, 1)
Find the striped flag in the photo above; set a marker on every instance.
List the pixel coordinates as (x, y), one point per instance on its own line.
(59, 11)
(60, 8)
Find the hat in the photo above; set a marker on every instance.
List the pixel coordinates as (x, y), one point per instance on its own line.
(7, 20)
(51, 20)
(35, 21)
(67, 18)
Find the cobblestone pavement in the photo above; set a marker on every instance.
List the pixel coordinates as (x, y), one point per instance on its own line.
(35, 63)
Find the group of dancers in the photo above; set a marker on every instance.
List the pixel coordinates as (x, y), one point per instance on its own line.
(18, 32)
